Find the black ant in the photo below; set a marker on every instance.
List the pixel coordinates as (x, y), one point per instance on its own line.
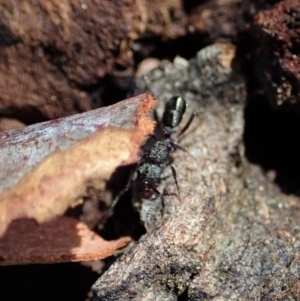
(152, 163)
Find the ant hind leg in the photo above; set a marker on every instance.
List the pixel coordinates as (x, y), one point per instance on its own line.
(176, 181)
(187, 125)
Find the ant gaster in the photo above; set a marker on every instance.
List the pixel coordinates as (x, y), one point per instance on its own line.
(152, 163)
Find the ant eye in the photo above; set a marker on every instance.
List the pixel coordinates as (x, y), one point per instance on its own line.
(147, 193)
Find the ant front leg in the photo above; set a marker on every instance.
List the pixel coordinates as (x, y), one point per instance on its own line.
(124, 190)
(176, 181)
(177, 145)
(148, 192)
(120, 194)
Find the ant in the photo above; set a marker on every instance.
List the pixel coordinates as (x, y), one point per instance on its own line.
(152, 163)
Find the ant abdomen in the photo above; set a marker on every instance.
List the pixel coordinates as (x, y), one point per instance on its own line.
(175, 108)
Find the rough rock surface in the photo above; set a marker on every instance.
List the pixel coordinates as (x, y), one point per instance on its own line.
(234, 236)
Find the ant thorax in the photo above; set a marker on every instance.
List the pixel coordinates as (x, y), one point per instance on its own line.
(147, 179)
(159, 152)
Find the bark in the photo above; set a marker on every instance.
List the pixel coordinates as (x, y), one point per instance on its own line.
(52, 166)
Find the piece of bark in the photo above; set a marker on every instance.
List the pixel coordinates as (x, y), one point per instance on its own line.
(61, 171)
(63, 239)
(235, 236)
(22, 149)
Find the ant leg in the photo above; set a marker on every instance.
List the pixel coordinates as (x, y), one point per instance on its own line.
(176, 182)
(177, 145)
(120, 194)
(124, 190)
(187, 125)
(156, 191)
(149, 192)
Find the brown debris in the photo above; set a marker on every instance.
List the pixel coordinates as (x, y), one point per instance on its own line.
(220, 19)
(62, 239)
(276, 33)
(56, 57)
(156, 18)
(52, 52)
(61, 179)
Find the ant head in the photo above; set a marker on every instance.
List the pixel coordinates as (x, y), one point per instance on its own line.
(144, 191)
(147, 192)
